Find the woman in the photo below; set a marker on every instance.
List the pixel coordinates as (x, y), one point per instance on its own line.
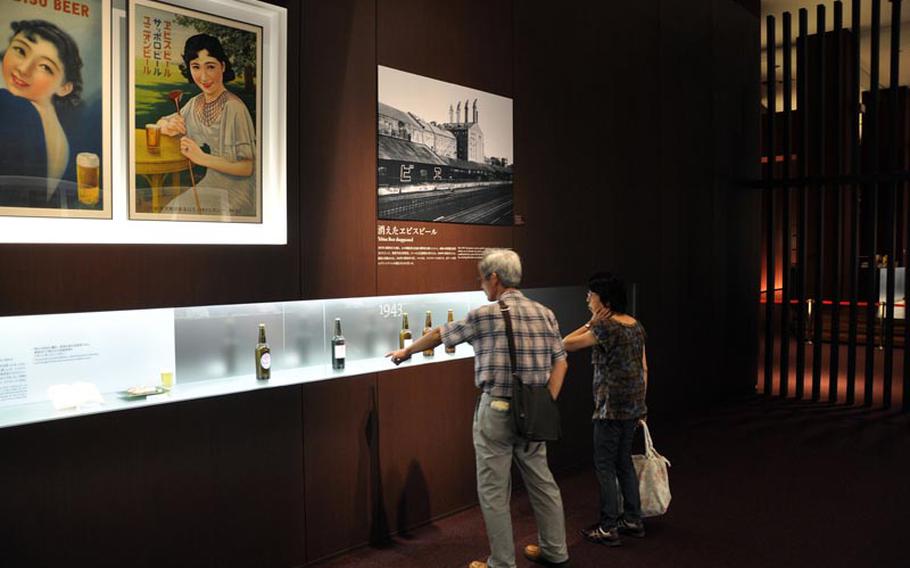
(620, 384)
(42, 72)
(217, 118)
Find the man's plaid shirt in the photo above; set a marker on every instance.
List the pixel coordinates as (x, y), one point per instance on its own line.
(537, 343)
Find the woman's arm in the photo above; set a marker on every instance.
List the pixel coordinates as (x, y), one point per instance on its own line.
(579, 331)
(194, 153)
(582, 337)
(172, 124)
(579, 341)
(241, 168)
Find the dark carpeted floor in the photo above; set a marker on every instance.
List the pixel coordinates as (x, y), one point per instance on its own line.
(755, 483)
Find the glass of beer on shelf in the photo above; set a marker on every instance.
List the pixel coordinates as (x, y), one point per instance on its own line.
(167, 379)
(88, 175)
(153, 138)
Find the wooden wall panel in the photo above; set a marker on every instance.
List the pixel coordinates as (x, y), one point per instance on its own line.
(426, 448)
(561, 141)
(341, 451)
(576, 405)
(631, 170)
(686, 190)
(211, 482)
(609, 174)
(441, 276)
(467, 42)
(257, 474)
(338, 151)
(737, 101)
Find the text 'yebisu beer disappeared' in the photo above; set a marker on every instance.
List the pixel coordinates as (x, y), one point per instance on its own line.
(263, 356)
(88, 178)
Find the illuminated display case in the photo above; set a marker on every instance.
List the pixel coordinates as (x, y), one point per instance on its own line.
(209, 350)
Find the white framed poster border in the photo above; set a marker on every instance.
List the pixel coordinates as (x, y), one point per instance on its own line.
(120, 229)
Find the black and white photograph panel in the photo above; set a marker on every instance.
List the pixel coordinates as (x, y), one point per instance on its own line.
(444, 151)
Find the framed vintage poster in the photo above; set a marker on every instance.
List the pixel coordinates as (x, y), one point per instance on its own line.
(195, 115)
(55, 151)
(444, 151)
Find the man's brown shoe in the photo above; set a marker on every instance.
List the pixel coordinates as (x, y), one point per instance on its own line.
(477, 564)
(532, 553)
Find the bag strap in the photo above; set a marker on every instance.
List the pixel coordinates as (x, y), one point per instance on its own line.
(516, 380)
(649, 444)
(506, 315)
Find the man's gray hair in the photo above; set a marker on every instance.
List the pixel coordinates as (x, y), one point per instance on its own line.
(505, 263)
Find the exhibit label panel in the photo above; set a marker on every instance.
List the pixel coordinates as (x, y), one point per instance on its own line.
(96, 348)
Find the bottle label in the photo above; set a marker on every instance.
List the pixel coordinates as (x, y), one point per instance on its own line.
(265, 360)
(339, 351)
(408, 342)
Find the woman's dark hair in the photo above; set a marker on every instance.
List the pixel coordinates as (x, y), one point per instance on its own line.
(611, 289)
(197, 43)
(66, 49)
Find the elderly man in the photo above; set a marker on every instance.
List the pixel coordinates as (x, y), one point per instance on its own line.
(540, 359)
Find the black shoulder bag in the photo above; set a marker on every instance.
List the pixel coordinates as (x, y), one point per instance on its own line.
(535, 412)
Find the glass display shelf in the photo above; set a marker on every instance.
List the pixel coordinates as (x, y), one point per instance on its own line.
(43, 411)
(209, 350)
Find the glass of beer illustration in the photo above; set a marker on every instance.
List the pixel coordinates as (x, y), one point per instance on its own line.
(153, 138)
(88, 176)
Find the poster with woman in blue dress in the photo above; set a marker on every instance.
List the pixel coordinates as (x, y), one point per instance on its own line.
(54, 125)
(195, 121)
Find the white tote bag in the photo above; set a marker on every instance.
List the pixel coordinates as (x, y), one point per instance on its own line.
(653, 480)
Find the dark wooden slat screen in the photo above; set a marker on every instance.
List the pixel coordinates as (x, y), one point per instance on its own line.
(785, 208)
(769, 203)
(837, 194)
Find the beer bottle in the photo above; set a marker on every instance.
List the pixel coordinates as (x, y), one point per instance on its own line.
(338, 346)
(404, 336)
(427, 328)
(450, 319)
(263, 356)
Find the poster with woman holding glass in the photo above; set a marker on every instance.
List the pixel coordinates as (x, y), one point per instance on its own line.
(54, 127)
(195, 101)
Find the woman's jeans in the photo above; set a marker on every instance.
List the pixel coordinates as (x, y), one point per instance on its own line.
(612, 462)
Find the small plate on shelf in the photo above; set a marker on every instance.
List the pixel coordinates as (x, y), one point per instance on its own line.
(143, 391)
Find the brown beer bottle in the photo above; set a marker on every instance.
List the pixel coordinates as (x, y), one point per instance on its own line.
(338, 346)
(450, 319)
(263, 357)
(404, 336)
(427, 328)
